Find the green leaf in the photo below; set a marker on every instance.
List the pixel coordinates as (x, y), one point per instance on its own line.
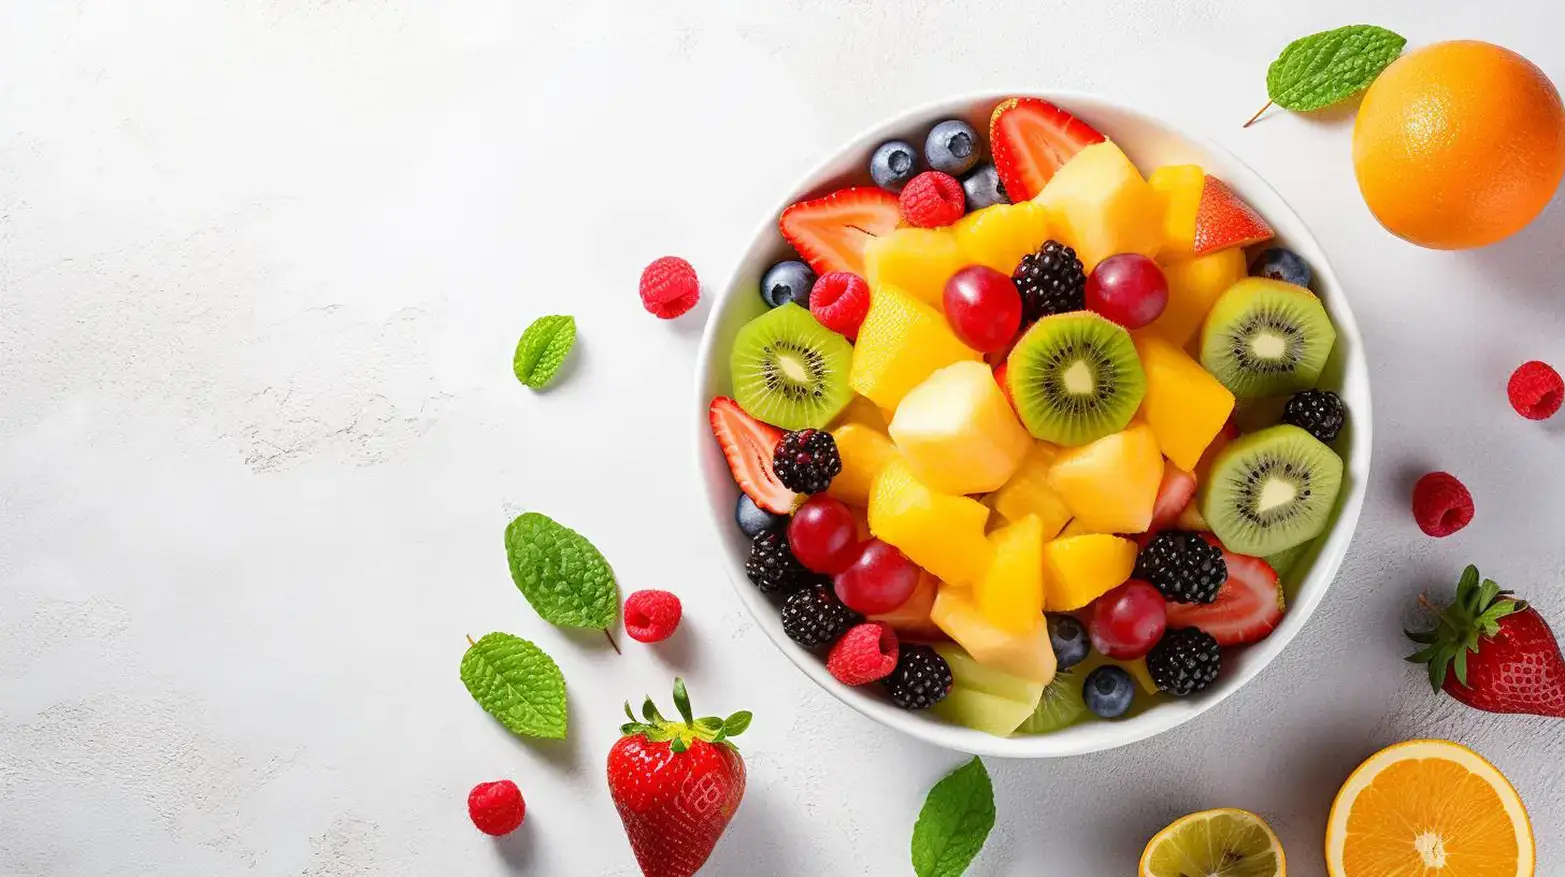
(737, 723)
(682, 701)
(542, 350)
(1321, 69)
(514, 681)
(954, 823)
(559, 572)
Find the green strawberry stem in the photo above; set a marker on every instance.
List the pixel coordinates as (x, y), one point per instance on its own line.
(1257, 114)
(1472, 617)
(679, 735)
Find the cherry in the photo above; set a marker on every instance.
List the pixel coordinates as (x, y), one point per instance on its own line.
(1129, 289)
(823, 535)
(983, 308)
(880, 580)
(1128, 621)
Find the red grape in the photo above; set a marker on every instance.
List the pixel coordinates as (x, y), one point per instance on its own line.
(823, 535)
(880, 580)
(1128, 621)
(1129, 289)
(983, 307)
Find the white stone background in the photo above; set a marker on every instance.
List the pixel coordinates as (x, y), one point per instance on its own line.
(262, 268)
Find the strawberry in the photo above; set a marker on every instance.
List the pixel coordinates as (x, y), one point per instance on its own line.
(676, 784)
(1031, 139)
(1173, 496)
(1223, 220)
(748, 444)
(1248, 607)
(830, 232)
(1505, 658)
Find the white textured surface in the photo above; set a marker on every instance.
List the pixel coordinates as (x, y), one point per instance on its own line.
(262, 266)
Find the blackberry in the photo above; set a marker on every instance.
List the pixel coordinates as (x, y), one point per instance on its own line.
(806, 461)
(1184, 566)
(1185, 661)
(815, 618)
(921, 679)
(1051, 281)
(1318, 412)
(772, 566)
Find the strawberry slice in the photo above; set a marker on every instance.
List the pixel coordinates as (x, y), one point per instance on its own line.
(1031, 139)
(1247, 609)
(1223, 220)
(830, 232)
(1173, 495)
(748, 443)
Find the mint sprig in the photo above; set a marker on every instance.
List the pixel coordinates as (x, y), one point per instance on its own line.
(1321, 69)
(542, 350)
(954, 823)
(560, 573)
(514, 681)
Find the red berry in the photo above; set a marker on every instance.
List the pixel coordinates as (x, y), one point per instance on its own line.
(823, 535)
(933, 199)
(669, 287)
(1128, 621)
(1129, 289)
(839, 301)
(1536, 390)
(652, 616)
(1441, 504)
(879, 580)
(496, 808)
(866, 653)
(983, 308)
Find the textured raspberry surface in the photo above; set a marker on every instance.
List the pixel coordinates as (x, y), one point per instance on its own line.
(496, 808)
(1536, 390)
(840, 301)
(1441, 504)
(652, 616)
(669, 287)
(933, 199)
(865, 654)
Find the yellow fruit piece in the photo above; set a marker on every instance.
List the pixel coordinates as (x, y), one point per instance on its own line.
(864, 412)
(1429, 808)
(1099, 204)
(1194, 285)
(1077, 528)
(1178, 188)
(1080, 569)
(957, 431)
(1000, 235)
(1027, 654)
(1185, 406)
(984, 698)
(1111, 484)
(1220, 842)
(943, 534)
(1139, 672)
(864, 453)
(1010, 592)
(1028, 492)
(917, 261)
(901, 342)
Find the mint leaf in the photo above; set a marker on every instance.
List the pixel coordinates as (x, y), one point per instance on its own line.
(542, 350)
(954, 823)
(514, 681)
(559, 572)
(1319, 70)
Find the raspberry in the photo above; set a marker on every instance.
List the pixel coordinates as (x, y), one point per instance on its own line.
(496, 808)
(1441, 504)
(652, 616)
(1536, 390)
(933, 199)
(669, 287)
(839, 302)
(866, 653)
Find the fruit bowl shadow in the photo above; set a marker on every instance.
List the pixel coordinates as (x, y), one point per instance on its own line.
(1150, 142)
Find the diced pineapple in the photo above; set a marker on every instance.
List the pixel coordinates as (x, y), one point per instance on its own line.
(1185, 406)
(862, 411)
(1010, 592)
(1027, 654)
(958, 433)
(1194, 285)
(864, 451)
(1081, 569)
(943, 534)
(901, 342)
(1099, 204)
(917, 261)
(1111, 484)
(1000, 235)
(1178, 189)
(1077, 528)
(1028, 492)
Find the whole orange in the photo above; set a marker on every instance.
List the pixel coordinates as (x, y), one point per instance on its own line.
(1459, 144)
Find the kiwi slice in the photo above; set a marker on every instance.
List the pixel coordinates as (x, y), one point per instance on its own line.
(789, 370)
(1266, 338)
(1060, 707)
(1075, 378)
(1271, 490)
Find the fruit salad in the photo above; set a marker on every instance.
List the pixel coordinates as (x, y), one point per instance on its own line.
(984, 428)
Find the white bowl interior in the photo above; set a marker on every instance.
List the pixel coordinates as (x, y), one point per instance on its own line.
(1149, 142)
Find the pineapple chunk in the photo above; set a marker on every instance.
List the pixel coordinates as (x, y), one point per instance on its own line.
(901, 342)
(1185, 406)
(917, 261)
(1081, 569)
(1028, 492)
(1194, 285)
(1028, 654)
(1178, 189)
(1010, 592)
(1100, 205)
(1111, 484)
(958, 433)
(1000, 235)
(864, 451)
(943, 534)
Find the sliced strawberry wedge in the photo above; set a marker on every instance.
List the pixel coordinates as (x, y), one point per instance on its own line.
(1247, 609)
(1031, 139)
(830, 232)
(1173, 495)
(1224, 220)
(748, 443)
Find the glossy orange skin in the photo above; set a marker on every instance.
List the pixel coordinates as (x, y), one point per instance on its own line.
(1459, 145)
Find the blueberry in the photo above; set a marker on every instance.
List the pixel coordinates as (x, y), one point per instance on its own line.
(1070, 640)
(953, 147)
(1282, 264)
(753, 519)
(983, 188)
(785, 282)
(893, 164)
(1108, 691)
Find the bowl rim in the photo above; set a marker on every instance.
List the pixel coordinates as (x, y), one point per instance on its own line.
(1311, 590)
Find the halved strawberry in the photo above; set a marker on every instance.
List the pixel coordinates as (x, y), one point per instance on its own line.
(830, 232)
(1224, 220)
(748, 444)
(1031, 139)
(1247, 609)
(1173, 495)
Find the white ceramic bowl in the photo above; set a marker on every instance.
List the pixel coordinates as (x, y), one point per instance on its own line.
(1149, 142)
